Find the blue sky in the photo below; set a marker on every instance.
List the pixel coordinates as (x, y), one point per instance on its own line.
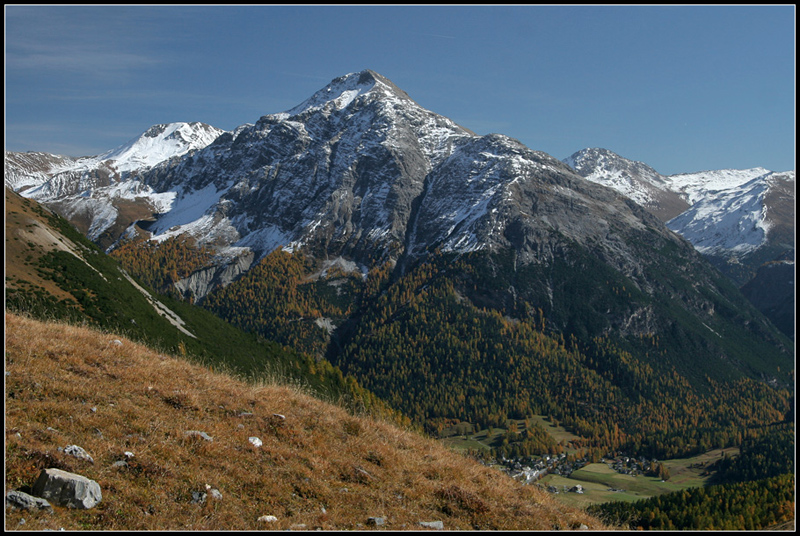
(680, 88)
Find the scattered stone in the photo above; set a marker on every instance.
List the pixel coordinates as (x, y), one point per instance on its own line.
(362, 475)
(279, 416)
(437, 525)
(116, 342)
(120, 464)
(199, 434)
(267, 519)
(128, 454)
(376, 522)
(67, 489)
(201, 497)
(22, 501)
(583, 527)
(255, 441)
(78, 452)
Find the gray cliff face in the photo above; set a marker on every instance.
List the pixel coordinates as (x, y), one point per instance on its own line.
(201, 282)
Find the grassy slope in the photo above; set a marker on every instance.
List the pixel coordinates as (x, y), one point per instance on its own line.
(320, 466)
(54, 272)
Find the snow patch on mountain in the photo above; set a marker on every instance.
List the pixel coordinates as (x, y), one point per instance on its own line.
(635, 180)
(24, 171)
(732, 219)
(703, 184)
(267, 239)
(188, 211)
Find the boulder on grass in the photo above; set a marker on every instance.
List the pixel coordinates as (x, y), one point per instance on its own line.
(67, 489)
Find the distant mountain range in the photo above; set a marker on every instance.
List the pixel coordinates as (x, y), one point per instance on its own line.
(741, 220)
(723, 213)
(456, 276)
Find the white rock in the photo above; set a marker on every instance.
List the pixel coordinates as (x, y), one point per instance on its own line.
(78, 452)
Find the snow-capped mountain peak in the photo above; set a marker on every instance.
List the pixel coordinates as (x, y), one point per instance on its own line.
(344, 90)
(160, 143)
(635, 180)
(91, 190)
(362, 171)
(729, 214)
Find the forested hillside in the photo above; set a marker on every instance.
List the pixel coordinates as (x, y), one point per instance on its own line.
(423, 345)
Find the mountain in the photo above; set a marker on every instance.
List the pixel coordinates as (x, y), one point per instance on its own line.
(101, 194)
(738, 219)
(159, 144)
(361, 170)
(30, 170)
(635, 180)
(459, 277)
(745, 216)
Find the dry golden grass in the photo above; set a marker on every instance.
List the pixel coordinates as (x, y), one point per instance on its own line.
(318, 467)
(27, 237)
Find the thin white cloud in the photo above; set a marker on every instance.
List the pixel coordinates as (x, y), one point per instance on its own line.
(79, 59)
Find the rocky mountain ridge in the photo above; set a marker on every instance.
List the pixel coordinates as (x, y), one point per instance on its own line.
(382, 172)
(741, 220)
(635, 180)
(360, 171)
(102, 194)
(722, 213)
